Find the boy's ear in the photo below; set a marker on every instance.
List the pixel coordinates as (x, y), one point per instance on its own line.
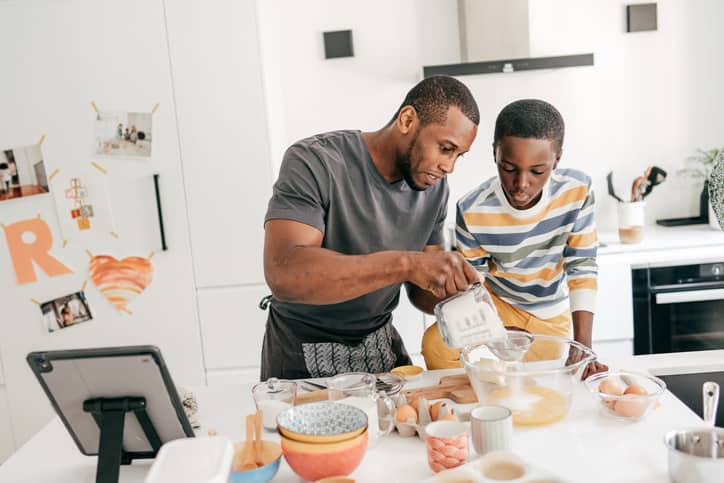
(558, 158)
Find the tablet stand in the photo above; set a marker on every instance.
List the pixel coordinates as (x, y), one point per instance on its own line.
(110, 415)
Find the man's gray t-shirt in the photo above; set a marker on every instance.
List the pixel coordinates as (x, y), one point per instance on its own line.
(330, 182)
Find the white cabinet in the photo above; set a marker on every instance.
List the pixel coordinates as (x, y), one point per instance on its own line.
(232, 326)
(223, 134)
(408, 321)
(7, 442)
(613, 319)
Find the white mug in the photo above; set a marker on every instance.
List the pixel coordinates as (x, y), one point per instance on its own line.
(492, 429)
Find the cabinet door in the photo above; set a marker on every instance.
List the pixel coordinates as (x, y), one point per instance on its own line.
(232, 326)
(613, 350)
(7, 443)
(613, 319)
(409, 323)
(223, 135)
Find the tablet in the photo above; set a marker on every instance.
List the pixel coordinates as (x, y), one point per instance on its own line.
(72, 377)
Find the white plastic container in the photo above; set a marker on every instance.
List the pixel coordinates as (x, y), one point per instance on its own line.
(201, 460)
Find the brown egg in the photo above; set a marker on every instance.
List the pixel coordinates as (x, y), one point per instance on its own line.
(435, 409)
(636, 389)
(415, 403)
(631, 408)
(448, 417)
(406, 413)
(610, 386)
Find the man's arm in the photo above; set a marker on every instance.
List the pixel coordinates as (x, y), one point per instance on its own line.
(298, 269)
(422, 299)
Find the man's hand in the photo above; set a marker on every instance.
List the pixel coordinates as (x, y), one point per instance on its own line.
(442, 273)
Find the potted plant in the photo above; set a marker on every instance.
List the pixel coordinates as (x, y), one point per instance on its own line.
(701, 166)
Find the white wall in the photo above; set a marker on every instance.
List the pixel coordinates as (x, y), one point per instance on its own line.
(650, 98)
(57, 57)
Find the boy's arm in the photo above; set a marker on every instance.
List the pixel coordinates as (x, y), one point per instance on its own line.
(581, 272)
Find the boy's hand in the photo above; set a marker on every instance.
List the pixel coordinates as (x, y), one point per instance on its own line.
(594, 368)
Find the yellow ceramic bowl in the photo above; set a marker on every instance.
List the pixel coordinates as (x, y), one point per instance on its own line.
(322, 422)
(314, 461)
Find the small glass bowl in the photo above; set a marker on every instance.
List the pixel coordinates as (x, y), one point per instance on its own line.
(605, 387)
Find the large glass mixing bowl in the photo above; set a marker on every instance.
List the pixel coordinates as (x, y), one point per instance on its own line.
(532, 375)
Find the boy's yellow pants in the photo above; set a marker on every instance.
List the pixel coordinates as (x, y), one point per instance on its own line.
(439, 356)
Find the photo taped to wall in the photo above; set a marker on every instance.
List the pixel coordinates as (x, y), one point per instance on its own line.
(65, 311)
(22, 172)
(123, 134)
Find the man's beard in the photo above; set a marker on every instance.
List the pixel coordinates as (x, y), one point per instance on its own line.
(405, 166)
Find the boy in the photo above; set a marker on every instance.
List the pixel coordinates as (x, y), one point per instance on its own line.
(531, 233)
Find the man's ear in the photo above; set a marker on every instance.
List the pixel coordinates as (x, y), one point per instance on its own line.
(407, 119)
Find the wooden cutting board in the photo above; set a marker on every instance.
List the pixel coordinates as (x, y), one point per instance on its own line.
(456, 388)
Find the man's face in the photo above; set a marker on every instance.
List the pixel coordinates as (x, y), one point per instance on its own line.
(524, 166)
(434, 149)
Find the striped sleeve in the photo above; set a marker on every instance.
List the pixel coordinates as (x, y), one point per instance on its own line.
(466, 243)
(579, 257)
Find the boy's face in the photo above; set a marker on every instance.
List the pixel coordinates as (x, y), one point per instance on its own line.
(524, 166)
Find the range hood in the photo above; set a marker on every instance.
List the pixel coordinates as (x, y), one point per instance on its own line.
(503, 36)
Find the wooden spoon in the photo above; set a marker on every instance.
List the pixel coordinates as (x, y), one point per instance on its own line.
(258, 445)
(247, 454)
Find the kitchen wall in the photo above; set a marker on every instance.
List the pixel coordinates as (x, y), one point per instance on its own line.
(650, 98)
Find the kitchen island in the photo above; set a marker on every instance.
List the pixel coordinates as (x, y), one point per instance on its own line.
(586, 446)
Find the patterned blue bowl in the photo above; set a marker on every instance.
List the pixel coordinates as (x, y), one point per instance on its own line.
(322, 422)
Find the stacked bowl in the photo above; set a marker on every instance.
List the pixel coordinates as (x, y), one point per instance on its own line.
(323, 439)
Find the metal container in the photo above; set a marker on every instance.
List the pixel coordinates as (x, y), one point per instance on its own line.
(697, 455)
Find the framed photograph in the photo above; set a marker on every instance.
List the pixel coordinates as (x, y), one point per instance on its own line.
(65, 311)
(123, 134)
(22, 173)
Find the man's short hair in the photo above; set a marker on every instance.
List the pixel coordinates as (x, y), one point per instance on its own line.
(433, 96)
(530, 118)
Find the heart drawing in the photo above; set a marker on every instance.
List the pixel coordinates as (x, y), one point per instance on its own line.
(120, 280)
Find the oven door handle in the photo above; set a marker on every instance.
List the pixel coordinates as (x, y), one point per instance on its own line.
(690, 296)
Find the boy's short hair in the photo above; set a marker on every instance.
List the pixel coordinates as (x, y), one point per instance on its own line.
(530, 118)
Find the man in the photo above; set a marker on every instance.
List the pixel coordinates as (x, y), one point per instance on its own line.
(352, 217)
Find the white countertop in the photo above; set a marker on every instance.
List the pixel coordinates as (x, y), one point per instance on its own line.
(666, 245)
(585, 446)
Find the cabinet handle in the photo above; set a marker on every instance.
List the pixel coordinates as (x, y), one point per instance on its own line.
(159, 211)
(691, 296)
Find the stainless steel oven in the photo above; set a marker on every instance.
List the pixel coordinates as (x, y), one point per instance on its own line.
(678, 308)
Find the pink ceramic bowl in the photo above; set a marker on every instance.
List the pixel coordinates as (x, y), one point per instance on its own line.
(314, 461)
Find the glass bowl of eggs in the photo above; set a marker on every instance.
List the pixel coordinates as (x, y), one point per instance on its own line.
(626, 395)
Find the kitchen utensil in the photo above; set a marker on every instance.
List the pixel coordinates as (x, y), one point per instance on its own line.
(322, 422)
(492, 429)
(271, 459)
(272, 397)
(447, 445)
(312, 396)
(605, 387)
(469, 318)
(258, 447)
(359, 389)
(246, 455)
(410, 373)
(457, 388)
(654, 176)
(538, 389)
(611, 191)
(697, 455)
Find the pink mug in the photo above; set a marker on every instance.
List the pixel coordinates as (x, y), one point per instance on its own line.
(447, 444)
